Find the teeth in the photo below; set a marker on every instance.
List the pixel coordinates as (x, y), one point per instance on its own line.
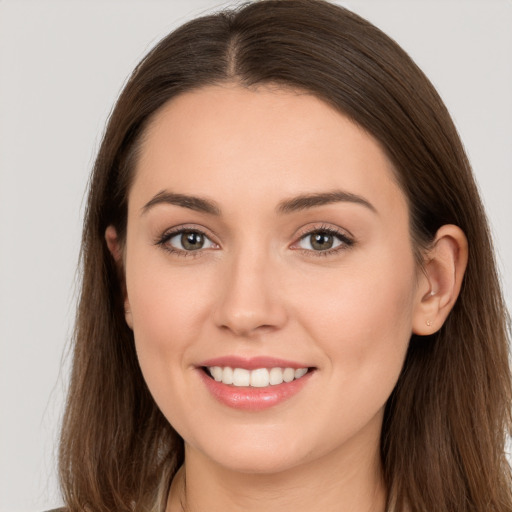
(288, 374)
(226, 375)
(260, 378)
(300, 372)
(241, 377)
(276, 376)
(216, 372)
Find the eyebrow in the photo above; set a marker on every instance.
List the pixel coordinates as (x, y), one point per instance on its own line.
(306, 201)
(198, 204)
(294, 204)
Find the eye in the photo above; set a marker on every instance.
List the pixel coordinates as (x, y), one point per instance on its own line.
(186, 240)
(323, 240)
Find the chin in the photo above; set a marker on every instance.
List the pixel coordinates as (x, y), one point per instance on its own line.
(262, 462)
(256, 454)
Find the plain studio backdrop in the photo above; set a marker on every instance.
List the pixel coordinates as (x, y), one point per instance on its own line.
(62, 65)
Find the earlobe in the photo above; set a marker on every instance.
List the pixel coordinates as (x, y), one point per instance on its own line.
(128, 314)
(440, 285)
(113, 244)
(116, 250)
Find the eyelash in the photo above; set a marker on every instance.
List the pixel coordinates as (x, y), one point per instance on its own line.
(346, 241)
(163, 240)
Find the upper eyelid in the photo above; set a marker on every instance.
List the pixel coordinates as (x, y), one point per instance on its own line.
(163, 240)
(335, 230)
(176, 230)
(344, 236)
(299, 235)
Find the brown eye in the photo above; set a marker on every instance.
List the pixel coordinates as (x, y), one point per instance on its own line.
(192, 240)
(323, 240)
(188, 240)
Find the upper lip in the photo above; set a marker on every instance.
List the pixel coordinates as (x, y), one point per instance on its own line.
(252, 363)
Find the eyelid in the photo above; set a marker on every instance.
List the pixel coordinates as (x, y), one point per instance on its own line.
(168, 234)
(313, 227)
(346, 238)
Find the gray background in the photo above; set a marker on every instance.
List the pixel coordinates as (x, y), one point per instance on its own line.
(62, 64)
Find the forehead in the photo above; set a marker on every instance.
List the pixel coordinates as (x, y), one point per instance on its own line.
(265, 143)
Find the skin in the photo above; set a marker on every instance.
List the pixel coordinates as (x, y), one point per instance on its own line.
(258, 287)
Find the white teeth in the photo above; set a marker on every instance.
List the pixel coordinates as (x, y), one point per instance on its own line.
(300, 372)
(227, 375)
(276, 376)
(288, 374)
(241, 377)
(259, 378)
(216, 372)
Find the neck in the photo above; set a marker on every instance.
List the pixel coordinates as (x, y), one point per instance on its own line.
(349, 482)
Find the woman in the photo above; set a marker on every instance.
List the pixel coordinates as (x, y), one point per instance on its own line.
(289, 296)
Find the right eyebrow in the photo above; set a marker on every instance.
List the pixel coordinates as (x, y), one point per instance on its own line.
(198, 204)
(322, 198)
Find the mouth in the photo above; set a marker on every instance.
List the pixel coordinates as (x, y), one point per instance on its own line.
(255, 383)
(257, 378)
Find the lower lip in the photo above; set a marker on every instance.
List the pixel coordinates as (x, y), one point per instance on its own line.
(250, 398)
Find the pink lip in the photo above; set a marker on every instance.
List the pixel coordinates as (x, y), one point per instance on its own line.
(250, 398)
(252, 363)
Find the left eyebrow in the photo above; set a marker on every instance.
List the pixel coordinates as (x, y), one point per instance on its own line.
(306, 201)
(198, 204)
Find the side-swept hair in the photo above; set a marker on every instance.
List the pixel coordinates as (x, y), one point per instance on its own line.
(446, 421)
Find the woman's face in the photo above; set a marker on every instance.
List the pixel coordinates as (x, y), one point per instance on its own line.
(265, 232)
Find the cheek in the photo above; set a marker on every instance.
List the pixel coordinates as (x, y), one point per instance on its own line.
(168, 309)
(168, 318)
(164, 299)
(362, 318)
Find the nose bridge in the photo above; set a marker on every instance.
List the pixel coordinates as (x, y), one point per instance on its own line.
(250, 299)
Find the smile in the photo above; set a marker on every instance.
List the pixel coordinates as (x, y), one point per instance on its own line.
(257, 378)
(254, 383)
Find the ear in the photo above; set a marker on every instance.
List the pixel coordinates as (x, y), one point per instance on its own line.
(440, 284)
(116, 250)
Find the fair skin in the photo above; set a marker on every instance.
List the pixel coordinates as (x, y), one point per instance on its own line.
(249, 279)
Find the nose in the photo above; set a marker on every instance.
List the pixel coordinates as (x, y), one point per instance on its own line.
(250, 298)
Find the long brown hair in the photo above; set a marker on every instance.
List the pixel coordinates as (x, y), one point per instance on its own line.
(447, 420)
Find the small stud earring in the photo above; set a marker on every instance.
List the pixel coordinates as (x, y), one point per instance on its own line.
(429, 323)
